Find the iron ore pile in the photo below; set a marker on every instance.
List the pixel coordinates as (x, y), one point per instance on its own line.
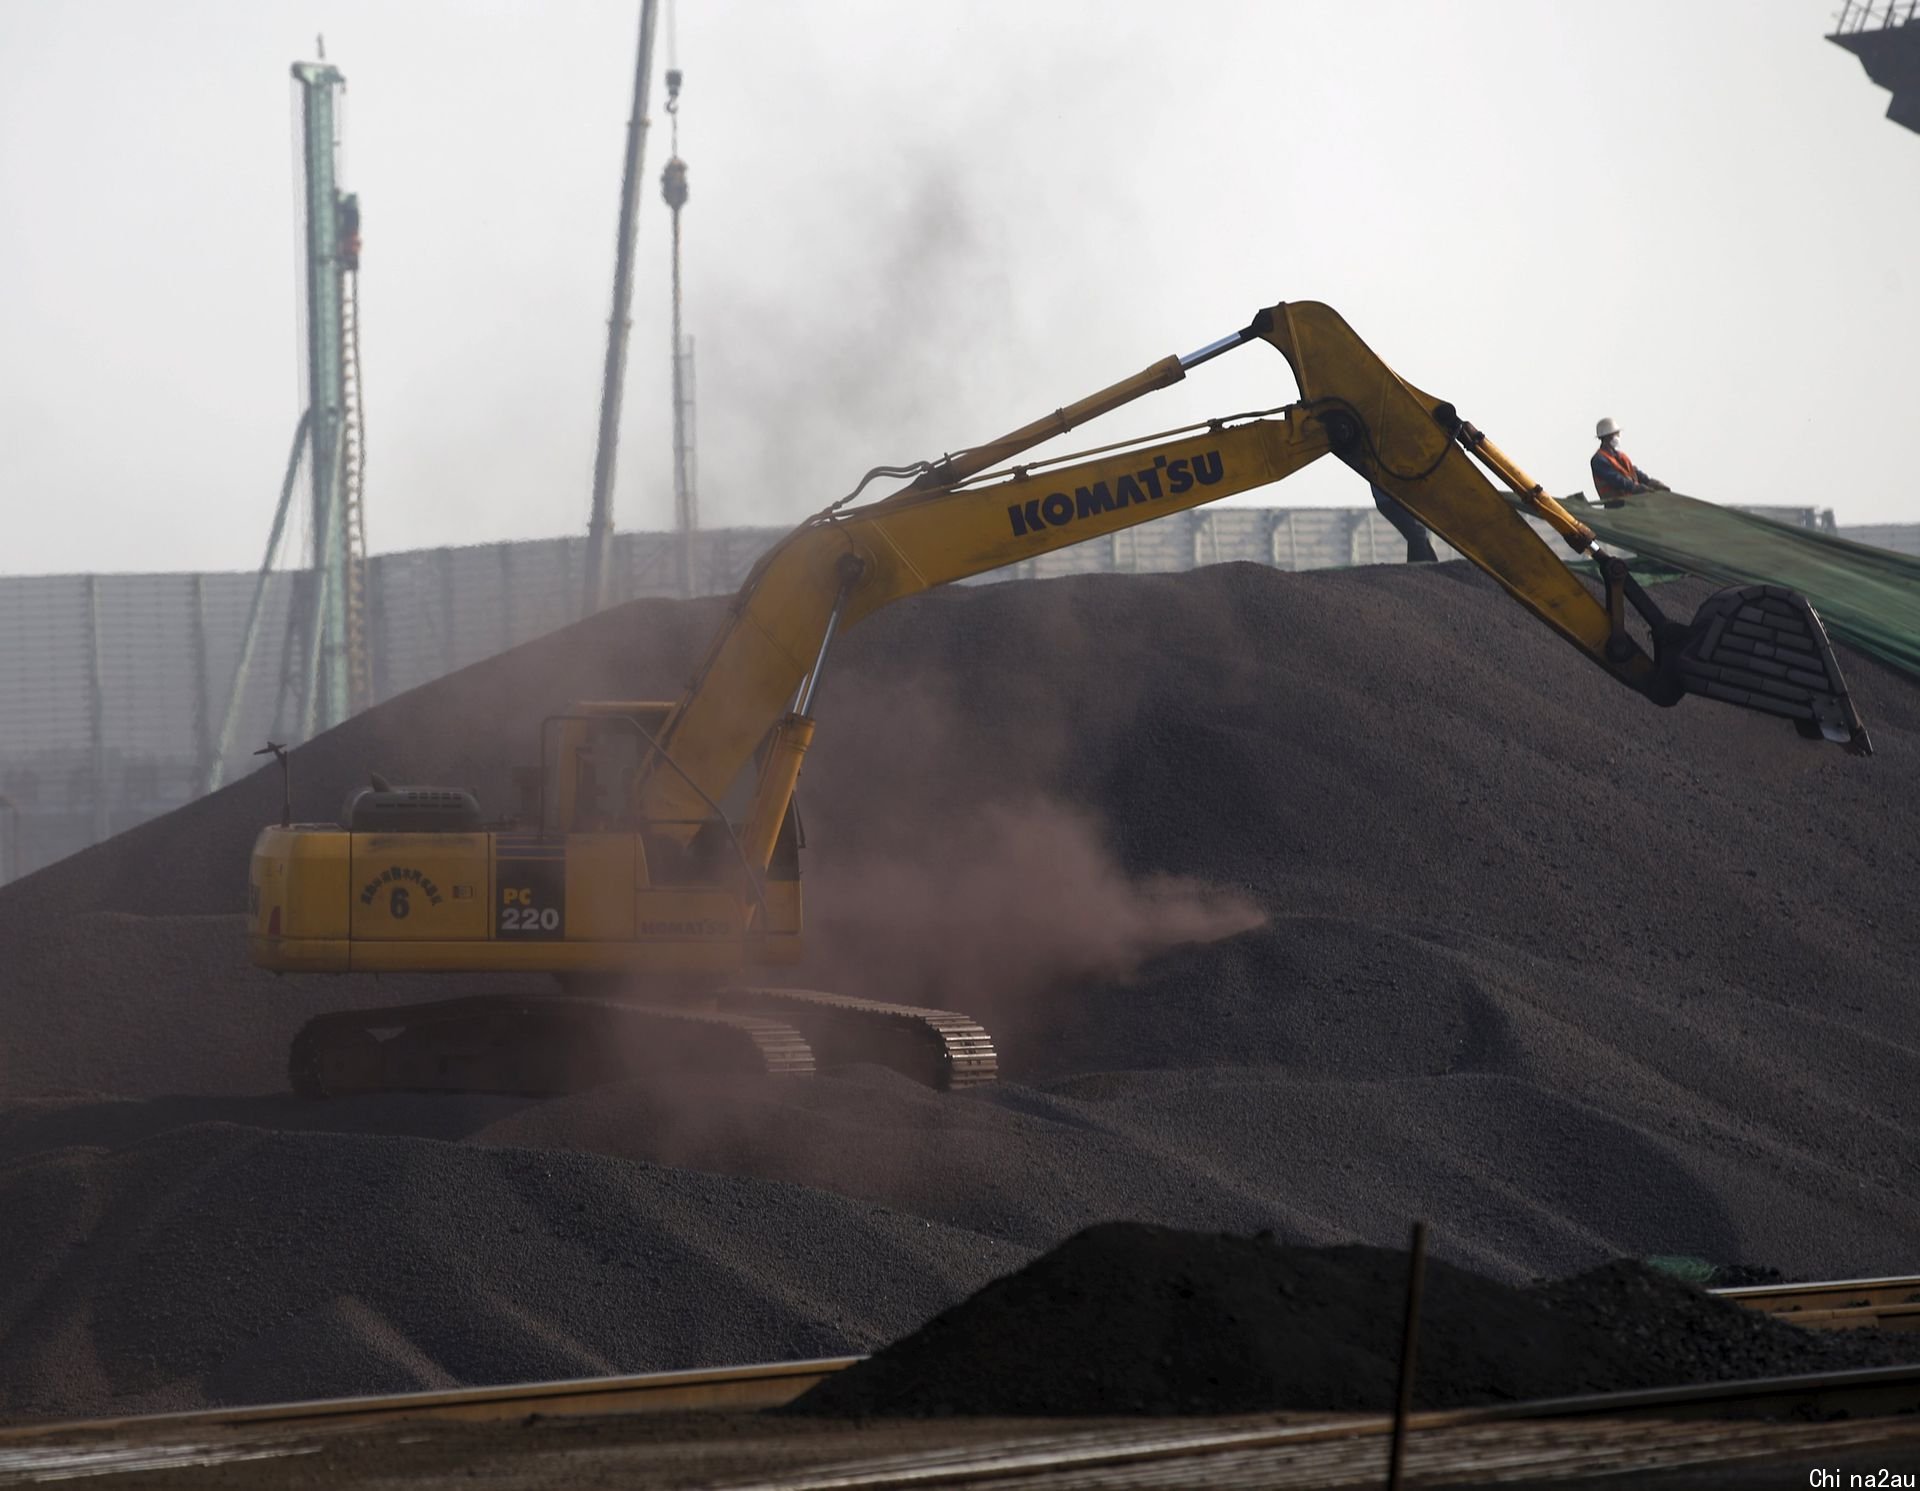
(1168, 1322)
(1297, 903)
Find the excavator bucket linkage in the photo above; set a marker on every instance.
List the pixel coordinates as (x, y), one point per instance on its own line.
(1758, 646)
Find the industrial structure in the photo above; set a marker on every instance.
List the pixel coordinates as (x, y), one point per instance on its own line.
(619, 324)
(686, 507)
(1885, 36)
(673, 190)
(325, 659)
(336, 674)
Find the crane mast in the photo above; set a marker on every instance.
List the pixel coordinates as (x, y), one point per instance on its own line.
(619, 323)
(336, 673)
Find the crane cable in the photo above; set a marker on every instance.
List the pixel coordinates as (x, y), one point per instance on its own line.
(673, 187)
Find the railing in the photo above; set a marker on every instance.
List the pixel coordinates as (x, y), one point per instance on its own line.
(1867, 15)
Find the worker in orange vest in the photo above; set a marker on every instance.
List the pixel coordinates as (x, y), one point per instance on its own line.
(1615, 477)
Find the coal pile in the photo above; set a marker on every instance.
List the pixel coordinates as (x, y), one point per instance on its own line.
(218, 1263)
(1570, 976)
(1130, 1319)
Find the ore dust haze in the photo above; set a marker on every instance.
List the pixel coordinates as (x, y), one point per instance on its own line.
(1015, 900)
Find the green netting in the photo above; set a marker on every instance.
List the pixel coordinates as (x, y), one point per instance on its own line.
(1869, 598)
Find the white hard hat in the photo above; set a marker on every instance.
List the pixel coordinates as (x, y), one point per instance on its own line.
(1605, 428)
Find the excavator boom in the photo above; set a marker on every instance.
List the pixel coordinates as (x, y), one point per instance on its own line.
(914, 541)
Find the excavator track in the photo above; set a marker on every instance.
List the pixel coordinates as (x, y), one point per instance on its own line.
(940, 1048)
(533, 1045)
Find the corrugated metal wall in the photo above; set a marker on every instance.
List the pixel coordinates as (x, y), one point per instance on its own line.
(151, 657)
(1902, 538)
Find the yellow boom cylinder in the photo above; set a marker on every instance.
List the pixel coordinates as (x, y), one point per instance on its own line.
(972, 462)
(1529, 491)
(779, 773)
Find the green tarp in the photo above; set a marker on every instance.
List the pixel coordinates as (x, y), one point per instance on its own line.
(1869, 598)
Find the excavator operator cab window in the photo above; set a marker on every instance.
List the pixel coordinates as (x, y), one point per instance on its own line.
(591, 762)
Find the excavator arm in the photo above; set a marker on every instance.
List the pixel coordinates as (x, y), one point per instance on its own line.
(1761, 647)
(975, 512)
(1388, 431)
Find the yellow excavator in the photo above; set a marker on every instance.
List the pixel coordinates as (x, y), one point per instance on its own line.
(657, 863)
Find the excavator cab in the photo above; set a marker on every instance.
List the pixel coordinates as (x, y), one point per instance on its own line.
(589, 759)
(592, 761)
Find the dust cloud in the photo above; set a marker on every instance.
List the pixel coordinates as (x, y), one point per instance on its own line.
(1008, 902)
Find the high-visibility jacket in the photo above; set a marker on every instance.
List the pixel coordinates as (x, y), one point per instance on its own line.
(1614, 472)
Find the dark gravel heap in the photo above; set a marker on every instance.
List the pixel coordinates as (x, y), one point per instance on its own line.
(1131, 1319)
(217, 1263)
(1675, 1334)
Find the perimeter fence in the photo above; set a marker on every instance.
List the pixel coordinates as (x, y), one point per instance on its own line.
(112, 687)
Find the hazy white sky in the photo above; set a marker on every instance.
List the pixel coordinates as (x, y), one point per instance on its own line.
(913, 226)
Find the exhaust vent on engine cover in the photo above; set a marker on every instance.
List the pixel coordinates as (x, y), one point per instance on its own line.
(400, 810)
